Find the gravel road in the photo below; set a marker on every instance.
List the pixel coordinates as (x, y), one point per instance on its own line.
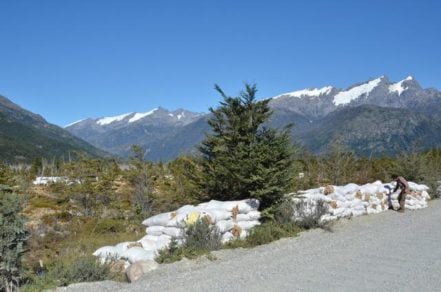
(387, 252)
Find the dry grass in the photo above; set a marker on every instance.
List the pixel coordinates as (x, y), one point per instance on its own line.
(235, 212)
(358, 195)
(333, 204)
(329, 189)
(367, 197)
(236, 231)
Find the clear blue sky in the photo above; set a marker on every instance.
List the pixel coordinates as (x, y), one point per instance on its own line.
(68, 60)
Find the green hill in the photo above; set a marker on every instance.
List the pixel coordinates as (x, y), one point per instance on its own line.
(25, 136)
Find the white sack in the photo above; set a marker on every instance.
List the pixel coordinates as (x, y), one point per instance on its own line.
(174, 232)
(136, 254)
(218, 214)
(228, 236)
(254, 215)
(158, 220)
(245, 206)
(106, 252)
(224, 225)
(123, 246)
(155, 230)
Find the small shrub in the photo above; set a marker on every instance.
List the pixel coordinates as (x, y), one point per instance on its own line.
(200, 238)
(284, 212)
(310, 218)
(81, 269)
(435, 189)
(171, 254)
(263, 234)
(203, 236)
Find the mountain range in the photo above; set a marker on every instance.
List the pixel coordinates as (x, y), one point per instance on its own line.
(376, 117)
(25, 136)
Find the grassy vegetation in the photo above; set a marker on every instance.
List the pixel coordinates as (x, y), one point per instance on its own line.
(266, 233)
(73, 270)
(76, 219)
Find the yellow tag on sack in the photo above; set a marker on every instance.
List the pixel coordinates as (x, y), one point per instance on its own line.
(192, 217)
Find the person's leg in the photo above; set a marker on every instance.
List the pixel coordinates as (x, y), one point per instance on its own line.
(402, 200)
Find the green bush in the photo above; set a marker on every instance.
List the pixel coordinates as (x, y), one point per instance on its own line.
(202, 236)
(83, 269)
(263, 234)
(80, 269)
(284, 212)
(13, 237)
(171, 254)
(309, 220)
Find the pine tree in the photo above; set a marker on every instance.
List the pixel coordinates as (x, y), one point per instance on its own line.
(241, 157)
(13, 236)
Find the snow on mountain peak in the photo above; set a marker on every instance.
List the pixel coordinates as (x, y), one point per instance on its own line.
(139, 116)
(346, 96)
(181, 115)
(76, 122)
(312, 92)
(109, 120)
(399, 86)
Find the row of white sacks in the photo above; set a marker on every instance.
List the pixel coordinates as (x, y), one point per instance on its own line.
(355, 200)
(232, 218)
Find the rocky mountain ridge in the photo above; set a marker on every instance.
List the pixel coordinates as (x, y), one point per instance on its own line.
(166, 134)
(25, 136)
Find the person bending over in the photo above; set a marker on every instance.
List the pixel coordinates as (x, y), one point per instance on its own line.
(401, 184)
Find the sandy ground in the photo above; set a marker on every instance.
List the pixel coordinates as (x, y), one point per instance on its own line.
(386, 252)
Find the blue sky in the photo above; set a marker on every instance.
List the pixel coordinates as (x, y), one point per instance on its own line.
(68, 60)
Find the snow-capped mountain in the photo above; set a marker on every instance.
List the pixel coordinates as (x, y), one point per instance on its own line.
(159, 114)
(316, 103)
(118, 133)
(315, 112)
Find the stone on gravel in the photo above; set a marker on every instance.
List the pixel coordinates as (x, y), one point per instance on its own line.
(138, 269)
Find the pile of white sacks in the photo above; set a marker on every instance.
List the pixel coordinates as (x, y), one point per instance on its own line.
(355, 200)
(233, 219)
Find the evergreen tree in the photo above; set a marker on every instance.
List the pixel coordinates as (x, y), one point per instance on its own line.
(142, 200)
(13, 236)
(241, 157)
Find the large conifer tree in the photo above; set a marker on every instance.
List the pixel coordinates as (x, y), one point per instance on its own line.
(241, 157)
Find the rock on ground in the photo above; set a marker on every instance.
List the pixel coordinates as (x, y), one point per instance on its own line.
(138, 269)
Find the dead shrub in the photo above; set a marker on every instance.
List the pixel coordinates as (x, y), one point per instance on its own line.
(329, 189)
(333, 204)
